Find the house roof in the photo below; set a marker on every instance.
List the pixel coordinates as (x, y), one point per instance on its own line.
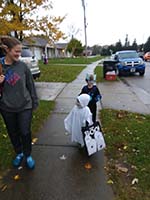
(42, 42)
(36, 41)
(61, 45)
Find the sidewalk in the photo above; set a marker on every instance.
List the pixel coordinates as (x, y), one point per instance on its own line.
(60, 173)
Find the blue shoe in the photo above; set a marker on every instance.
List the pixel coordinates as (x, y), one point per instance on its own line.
(17, 161)
(30, 162)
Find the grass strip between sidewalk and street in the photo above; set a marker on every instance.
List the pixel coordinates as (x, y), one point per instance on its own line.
(127, 154)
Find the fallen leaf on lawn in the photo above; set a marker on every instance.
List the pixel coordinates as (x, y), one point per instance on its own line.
(34, 140)
(125, 147)
(120, 115)
(4, 187)
(4, 136)
(110, 181)
(63, 157)
(88, 166)
(133, 167)
(106, 168)
(16, 177)
(143, 169)
(1, 177)
(121, 169)
(135, 181)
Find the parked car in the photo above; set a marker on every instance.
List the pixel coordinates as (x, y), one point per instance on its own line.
(128, 61)
(147, 56)
(31, 61)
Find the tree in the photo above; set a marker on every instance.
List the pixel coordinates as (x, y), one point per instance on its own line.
(141, 47)
(127, 43)
(147, 45)
(73, 31)
(134, 45)
(50, 28)
(22, 16)
(75, 47)
(105, 51)
(118, 46)
(96, 49)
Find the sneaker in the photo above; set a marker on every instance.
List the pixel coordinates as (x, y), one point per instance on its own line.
(17, 161)
(30, 162)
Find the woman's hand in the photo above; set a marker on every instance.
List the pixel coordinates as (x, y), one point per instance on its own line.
(2, 78)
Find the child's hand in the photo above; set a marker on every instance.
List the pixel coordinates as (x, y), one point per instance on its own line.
(90, 98)
(98, 98)
(2, 78)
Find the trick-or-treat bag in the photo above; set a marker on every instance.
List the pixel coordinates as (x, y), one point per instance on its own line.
(93, 138)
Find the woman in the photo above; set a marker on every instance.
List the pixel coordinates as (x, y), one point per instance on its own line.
(17, 100)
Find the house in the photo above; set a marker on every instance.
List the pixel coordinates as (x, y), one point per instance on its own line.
(61, 49)
(87, 52)
(40, 46)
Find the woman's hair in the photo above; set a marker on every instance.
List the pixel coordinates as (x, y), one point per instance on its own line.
(9, 42)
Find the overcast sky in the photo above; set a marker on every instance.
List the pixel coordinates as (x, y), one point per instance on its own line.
(107, 20)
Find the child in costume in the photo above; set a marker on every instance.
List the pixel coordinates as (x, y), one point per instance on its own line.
(78, 117)
(92, 90)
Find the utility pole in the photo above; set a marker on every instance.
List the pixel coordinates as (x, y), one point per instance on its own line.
(85, 26)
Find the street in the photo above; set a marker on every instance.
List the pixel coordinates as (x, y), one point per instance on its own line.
(140, 81)
(140, 85)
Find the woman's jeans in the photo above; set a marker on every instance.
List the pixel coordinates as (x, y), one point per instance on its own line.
(18, 126)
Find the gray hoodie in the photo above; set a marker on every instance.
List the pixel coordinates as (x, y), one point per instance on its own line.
(18, 91)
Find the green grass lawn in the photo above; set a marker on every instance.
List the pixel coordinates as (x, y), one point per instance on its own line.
(127, 138)
(78, 60)
(54, 72)
(6, 150)
(59, 73)
(99, 74)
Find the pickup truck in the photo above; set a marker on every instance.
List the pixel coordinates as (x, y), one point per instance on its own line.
(128, 61)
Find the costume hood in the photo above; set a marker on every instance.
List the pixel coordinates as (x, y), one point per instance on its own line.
(77, 119)
(83, 99)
